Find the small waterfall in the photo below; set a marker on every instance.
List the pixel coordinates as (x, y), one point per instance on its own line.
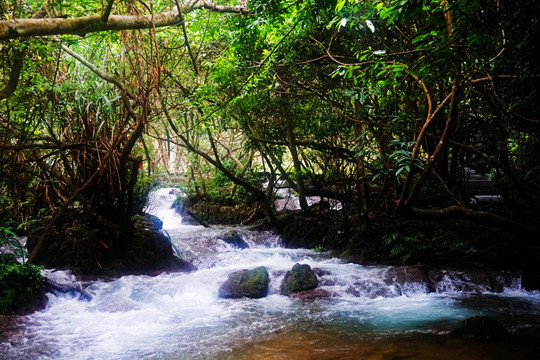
(160, 204)
(179, 316)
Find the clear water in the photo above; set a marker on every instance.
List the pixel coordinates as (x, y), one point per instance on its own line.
(179, 316)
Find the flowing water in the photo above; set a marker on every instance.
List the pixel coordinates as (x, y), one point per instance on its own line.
(362, 314)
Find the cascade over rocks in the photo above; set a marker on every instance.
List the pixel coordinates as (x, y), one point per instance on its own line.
(234, 239)
(373, 289)
(434, 279)
(89, 250)
(75, 289)
(245, 283)
(406, 275)
(300, 278)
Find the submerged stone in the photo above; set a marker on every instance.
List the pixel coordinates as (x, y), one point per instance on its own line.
(300, 278)
(480, 328)
(245, 283)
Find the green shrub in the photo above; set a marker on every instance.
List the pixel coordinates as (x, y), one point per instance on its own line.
(19, 285)
(9, 242)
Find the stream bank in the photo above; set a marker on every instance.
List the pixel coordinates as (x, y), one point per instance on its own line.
(380, 239)
(373, 310)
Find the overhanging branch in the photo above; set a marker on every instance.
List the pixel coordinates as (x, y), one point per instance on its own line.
(95, 70)
(12, 29)
(17, 28)
(455, 212)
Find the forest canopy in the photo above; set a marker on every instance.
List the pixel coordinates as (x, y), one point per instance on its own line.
(386, 106)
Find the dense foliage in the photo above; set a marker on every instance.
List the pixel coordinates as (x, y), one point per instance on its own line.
(383, 105)
(19, 285)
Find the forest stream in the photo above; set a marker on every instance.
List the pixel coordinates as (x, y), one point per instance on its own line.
(362, 314)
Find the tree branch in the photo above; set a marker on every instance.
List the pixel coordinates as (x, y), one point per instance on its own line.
(480, 217)
(13, 29)
(18, 60)
(101, 74)
(238, 9)
(186, 39)
(451, 118)
(107, 12)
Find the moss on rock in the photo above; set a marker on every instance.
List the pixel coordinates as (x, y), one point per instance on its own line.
(245, 283)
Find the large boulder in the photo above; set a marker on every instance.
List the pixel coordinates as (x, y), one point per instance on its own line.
(300, 278)
(245, 283)
(89, 249)
(480, 328)
(150, 222)
(152, 254)
(410, 276)
(428, 279)
(234, 239)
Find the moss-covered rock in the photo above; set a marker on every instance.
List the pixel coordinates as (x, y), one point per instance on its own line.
(300, 278)
(245, 283)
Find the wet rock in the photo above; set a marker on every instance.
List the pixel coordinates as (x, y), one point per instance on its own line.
(312, 294)
(300, 278)
(407, 275)
(245, 283)
(154, 255)
(150, 222)
(371, 289)
(320, 272)
(480, 328)
(234, 239)
(441, 280)
(474, 280)
(278, 273)
(327, 282)
(74, 289)
(362, 257)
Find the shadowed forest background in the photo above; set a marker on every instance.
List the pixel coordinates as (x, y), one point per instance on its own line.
(390, 107)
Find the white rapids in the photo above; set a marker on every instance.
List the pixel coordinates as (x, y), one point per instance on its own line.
(179, 316)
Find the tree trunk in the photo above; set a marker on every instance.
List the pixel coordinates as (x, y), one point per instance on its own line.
(297, 168)
(360, 166)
